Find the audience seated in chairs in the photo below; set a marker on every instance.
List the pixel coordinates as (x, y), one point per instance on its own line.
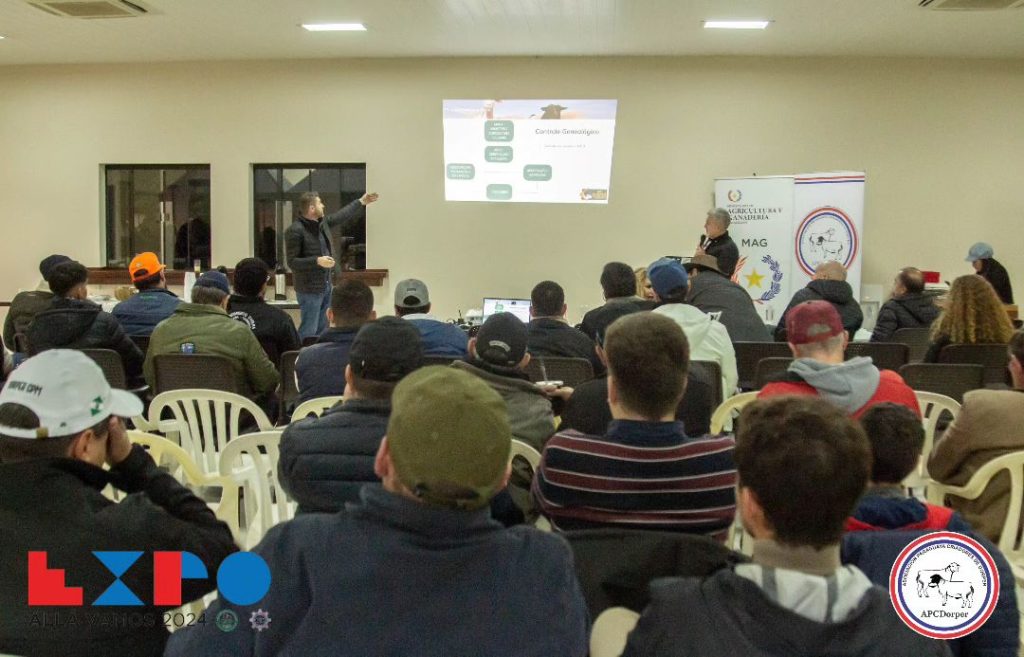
(412, 303)
(60, 424)
(26, 305)
(711, 291)
(829, 284)
(326, 460)
(417, 567)
(818, 341)
(645, 472)
(153, 303)
(550, 334)
(320, 368)
(973, 314)
(796, 597)
(271, 325)
(708, 338)
(203, 327)
(990, 424)
(618, 285)
(74, 322)
(498, 355)
(908, 307)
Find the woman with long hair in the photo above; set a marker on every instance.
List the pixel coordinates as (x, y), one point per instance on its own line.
(973, 314)
(643, 284)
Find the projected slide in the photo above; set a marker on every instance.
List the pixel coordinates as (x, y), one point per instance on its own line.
(528, 151)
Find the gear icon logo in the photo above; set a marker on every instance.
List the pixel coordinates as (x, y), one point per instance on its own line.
(259, 620)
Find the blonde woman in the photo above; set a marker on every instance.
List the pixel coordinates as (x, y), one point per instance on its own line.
(643, 284)
(973, 314)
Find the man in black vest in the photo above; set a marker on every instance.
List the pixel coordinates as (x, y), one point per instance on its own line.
(717, 242)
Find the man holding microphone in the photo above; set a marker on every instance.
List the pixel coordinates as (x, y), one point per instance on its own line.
(308, 251)
(716, 241)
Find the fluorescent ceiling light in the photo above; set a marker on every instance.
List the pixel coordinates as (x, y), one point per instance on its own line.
(334, 27)
(736, 25)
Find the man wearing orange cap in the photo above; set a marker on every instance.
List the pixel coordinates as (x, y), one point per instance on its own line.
(154, 303)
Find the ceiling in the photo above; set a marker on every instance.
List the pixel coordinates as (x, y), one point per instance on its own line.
(180, 30)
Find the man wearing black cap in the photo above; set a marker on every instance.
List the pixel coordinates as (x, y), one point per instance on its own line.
(498, 356)
(26, 305)
(326, 460)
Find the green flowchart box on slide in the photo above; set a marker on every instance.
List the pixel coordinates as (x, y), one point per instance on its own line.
(498, 154)
(537, 172)
(499, 192)
(461, 171)
(499, 130)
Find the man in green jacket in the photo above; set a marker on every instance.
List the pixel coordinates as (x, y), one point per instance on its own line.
(204, 327)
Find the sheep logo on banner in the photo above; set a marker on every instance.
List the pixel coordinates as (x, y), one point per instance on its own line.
(825, 234)
(944, 585)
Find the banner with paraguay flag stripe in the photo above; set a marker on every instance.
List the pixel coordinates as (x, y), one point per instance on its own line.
(785, 226)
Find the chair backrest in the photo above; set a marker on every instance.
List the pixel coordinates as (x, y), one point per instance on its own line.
(180, 464)
(994, 357)
(269, 347)
(111, 364)
(916, 339)
(946, 379)
(310, 340)
(141, 341)
(749, 354)
(519, 448)
(289, 385)
(192, 371)
(770, 368)
(251, 461)
(725, 409)
(314, 407)
(443, 361)
(885, 355)
(713, 373)
(570, 371)
(933, 407)
(205, 420)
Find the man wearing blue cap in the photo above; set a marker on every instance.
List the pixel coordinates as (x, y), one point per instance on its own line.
(980, 257)
(204, 327)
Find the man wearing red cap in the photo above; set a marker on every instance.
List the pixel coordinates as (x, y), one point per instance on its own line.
(154, 303)
(818, 341)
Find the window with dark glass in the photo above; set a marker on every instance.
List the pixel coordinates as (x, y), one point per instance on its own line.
(276, 191)
(163, 208)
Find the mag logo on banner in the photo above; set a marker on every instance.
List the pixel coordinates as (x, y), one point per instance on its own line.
(785, 226)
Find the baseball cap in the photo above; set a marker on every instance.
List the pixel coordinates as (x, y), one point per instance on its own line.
(704, 261)
(47, 264)
(67, 391)
(214, 279)
(411, 293)
(449, 437)
(386, 350)
(812, 321)
(502, 340)
(666, 274)
(144, 265)
(979, 251)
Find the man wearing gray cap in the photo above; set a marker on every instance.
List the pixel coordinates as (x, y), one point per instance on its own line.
(980, 257)
(412, 303)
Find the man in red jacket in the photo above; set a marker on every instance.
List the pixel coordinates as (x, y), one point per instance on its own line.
(818, 342)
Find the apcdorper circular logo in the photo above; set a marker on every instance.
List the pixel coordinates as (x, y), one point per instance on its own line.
(826, 233)
(944, 585)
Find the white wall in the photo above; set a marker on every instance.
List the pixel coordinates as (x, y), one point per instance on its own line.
(941, 141)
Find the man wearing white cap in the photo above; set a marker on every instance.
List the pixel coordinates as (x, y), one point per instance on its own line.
(980, 257)
(60, 423)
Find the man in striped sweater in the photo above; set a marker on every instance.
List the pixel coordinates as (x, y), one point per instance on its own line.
(645, 472)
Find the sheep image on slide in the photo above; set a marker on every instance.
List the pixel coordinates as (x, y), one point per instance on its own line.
(829, 248)
(963, 591)
(929, 579)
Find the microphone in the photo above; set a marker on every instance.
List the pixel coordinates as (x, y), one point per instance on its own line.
(703, 240)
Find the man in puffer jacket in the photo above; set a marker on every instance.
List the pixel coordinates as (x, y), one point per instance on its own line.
(74, 322)
(325, 461)
(830, 285)
(909, 306)
(712, 292)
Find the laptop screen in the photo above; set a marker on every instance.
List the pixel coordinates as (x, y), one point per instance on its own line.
(518, 307)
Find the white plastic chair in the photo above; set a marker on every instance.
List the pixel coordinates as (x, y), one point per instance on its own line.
(314, 407)
(251, 461)
(932, 406)
(611, 631)
(724, 411)
(205, 420)
(519, 448)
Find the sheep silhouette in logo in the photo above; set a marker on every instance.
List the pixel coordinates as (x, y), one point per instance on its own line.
(827, 246)
(927, 581)
(946, 587)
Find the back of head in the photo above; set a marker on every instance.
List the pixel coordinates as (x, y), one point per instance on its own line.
(66, 276)
(830, 270)
(547, 299)
(814, 329)
(449, 437)
(897, 437)
(307, 200)
(502, 340)
(251, 275)
(211, 289)
(351, 303)
(669, 280)
(49, 262)
(411, 297)
(648, 357)
(806, 462)
(383, 352)
(912, 280)
(973, 314)
(145, 270)
(617, 280)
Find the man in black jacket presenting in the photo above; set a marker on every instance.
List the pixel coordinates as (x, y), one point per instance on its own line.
(60, 423)
(717, 243)
(309, 250)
